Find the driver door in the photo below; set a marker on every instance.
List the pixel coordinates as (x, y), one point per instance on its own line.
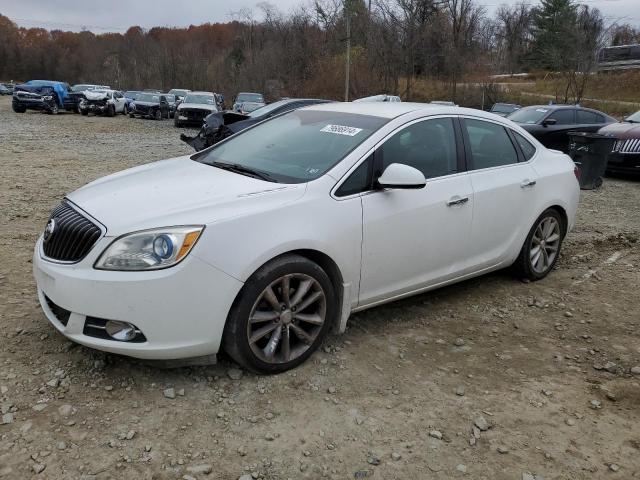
(413, 239)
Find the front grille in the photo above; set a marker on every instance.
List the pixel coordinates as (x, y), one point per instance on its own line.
(72, 236)
(194, 114)
(60, 313)
(627, 146)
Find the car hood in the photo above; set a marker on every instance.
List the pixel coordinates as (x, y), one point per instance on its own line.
(178, 191)
(622, 130)
(202, 106)
(89, 95)
(146, 104)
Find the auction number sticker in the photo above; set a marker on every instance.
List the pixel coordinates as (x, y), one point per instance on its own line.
(341, 130)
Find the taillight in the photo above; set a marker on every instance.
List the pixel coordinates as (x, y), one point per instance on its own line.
(577, 172)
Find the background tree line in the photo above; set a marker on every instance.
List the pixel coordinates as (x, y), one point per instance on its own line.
(394, 45)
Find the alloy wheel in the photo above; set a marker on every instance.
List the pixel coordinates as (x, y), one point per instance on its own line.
(545, 244)
(287, 318)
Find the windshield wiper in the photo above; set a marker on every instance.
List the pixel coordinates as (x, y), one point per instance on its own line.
(242, 170)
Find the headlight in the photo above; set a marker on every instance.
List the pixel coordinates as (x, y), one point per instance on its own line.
(149, 249)
(48, 97)
(132, 106)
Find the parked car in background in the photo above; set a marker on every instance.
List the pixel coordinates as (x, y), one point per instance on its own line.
(249, 98)
(45, 95)
(150, 105)
(625, 157)
(103, 102)
(220, 125)
(130, 96)
(179, 93)
(6, 89)
(551, 123)
(194, 108)
(76, 94)
(248, 107)
(504, 109)
(266, 242)
(380, 98)
(173, 102)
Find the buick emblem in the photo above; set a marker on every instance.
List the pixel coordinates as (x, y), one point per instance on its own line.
(49, 229)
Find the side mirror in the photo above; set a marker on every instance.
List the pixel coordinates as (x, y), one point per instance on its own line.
(398, 175)
(549, 121)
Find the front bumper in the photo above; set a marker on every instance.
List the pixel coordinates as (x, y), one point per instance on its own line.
(180, 310)
(623, 163)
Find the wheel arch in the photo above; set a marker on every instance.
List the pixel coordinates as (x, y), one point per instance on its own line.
(332, 270)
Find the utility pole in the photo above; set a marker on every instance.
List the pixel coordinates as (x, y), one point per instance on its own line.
(348, 60)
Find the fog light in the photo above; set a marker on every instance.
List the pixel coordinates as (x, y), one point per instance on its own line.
(121, 331)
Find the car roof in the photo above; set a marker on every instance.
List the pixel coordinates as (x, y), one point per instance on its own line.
(395, 109)
(201, 93)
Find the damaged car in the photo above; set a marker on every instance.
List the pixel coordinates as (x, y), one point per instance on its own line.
(103, 102)
(194, 108)
(218, 126)
(625, 157)
(150, 105)
(77, 94)
(179, 93)
(44, 95)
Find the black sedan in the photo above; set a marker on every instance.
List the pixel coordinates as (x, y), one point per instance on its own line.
(220, 125)
(551, 123)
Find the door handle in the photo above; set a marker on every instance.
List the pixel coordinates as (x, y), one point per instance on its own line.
(457, 201)
(528, 183)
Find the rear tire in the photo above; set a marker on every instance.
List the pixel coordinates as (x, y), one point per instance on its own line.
(84, 112)
(111, 111)
(293, 320)
(541, 248)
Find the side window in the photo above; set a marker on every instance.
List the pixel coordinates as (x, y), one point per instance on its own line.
(528, 150)
(490, 144)
(590, 118)
(429, 146)
(564, 116)
(358, 181)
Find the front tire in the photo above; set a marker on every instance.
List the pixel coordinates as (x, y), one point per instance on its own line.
(18, 108)
(541, 249)
(280, 316)
(158, 115)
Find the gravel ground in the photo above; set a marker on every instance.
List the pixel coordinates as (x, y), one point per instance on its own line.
(489, 379)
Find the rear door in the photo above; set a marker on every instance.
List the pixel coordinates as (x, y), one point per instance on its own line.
(504, 190)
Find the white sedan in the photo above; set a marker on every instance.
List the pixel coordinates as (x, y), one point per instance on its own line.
(265, 242)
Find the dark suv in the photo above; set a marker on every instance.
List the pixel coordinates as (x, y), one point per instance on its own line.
(150, 105)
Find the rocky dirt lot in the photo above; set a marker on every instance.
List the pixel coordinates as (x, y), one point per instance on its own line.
(489, 379)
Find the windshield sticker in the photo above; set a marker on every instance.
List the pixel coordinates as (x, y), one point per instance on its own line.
(541, 110)
(341, 130)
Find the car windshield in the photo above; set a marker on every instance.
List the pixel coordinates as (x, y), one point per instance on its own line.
(294, 148)
(250, 97)
(503, 108)
(268, 108)
(132, 95)
(529, 115)
(206, 99)
(148, 97)
(179, 93)
(80, 88)
(170, 98)
(635, 118)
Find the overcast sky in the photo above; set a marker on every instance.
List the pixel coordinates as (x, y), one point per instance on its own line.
(118, 15)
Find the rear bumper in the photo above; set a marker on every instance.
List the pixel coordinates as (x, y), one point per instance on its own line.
(181, 311)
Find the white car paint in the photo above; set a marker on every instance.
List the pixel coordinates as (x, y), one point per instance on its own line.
(210, 108)
(386, 244)
(113, 97)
